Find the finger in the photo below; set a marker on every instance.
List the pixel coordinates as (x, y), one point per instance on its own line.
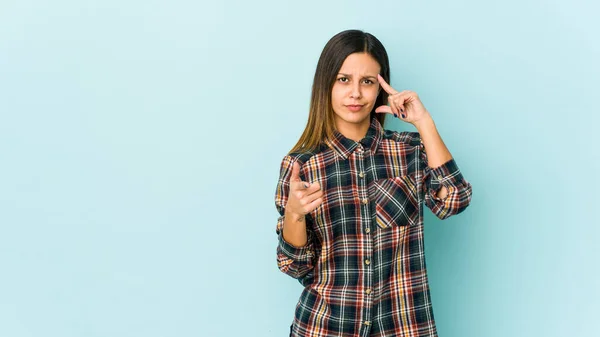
(302, 189)
(297, 193)
(386, 86)
(393, 107)
(305, 198)
(299, 186)
(295, 172)
(313, 188)
(384, 109)
(305, 188)
(398, 103)
(314, 195)
(314, 204)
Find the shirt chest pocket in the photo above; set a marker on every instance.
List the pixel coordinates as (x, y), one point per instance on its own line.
(395, 201)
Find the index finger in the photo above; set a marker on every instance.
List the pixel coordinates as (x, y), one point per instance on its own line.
(301, 185)
(386, 86)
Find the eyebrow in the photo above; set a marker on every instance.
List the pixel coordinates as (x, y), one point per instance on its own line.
(348, 75)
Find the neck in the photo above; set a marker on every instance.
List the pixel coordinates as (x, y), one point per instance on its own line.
(356, 132)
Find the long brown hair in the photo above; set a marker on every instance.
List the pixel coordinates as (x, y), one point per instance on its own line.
(321, 123)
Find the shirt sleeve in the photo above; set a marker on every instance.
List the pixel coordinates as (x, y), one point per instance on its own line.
(294, 261)
(448, 175)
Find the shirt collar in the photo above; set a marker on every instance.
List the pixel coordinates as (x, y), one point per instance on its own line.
(344, 146)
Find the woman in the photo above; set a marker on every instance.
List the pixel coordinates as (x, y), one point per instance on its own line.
(350, 196)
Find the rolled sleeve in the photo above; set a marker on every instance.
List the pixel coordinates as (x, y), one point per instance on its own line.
(447, 175)
(300, 254)
(459, 190)
(294, 261)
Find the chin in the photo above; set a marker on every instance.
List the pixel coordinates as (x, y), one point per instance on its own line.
(354, 118)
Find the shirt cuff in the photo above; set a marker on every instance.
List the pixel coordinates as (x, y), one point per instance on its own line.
(447, 174)
(303, 253)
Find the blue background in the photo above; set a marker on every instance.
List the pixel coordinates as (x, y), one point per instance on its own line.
(140, 144)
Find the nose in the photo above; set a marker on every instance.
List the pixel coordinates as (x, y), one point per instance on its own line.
(355, 91)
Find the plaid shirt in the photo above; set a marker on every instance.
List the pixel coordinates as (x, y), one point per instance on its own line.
(363, 267)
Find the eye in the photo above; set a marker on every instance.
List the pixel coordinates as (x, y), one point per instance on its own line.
(368, 81)
(343, 79)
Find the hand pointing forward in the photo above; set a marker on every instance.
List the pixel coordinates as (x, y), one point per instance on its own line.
(303, 197)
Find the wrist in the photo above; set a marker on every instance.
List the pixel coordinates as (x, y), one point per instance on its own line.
(294, 216)
(425, 125)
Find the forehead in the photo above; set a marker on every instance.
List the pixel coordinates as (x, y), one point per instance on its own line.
(360, 64)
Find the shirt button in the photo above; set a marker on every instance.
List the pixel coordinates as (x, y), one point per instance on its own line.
(365, 201)
(362, 174)
(367, 262)
(367, 322)
(368, 291)
(439, 177)
(368, 230)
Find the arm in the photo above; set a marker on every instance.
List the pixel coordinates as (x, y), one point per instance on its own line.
(446, 191)
(295, 251)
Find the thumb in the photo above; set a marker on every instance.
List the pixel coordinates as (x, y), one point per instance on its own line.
(384, 109)
(295, 172)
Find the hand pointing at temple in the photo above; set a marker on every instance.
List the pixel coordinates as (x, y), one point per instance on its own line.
(405, 104)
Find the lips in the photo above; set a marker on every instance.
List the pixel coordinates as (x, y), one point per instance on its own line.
(354, 107)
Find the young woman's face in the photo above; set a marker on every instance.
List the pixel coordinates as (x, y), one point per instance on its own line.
(355, 91)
